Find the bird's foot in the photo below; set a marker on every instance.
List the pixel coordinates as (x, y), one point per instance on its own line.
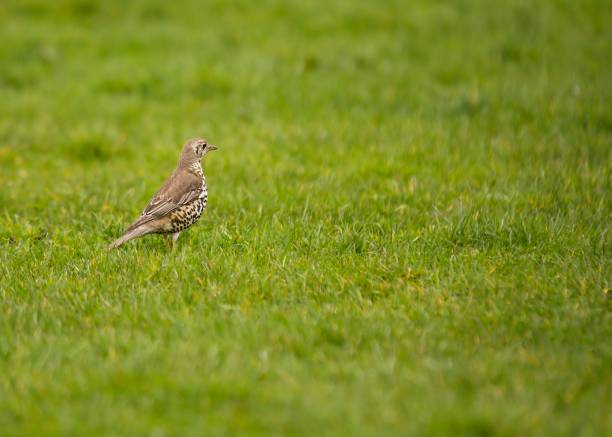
(174, 238)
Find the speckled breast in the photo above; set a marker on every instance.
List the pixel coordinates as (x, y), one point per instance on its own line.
(187, 215)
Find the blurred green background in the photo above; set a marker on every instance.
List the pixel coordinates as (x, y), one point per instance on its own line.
(408, 227)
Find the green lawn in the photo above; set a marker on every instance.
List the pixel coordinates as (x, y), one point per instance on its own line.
(408, 228)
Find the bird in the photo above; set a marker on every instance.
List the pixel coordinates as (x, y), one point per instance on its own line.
(179, 203)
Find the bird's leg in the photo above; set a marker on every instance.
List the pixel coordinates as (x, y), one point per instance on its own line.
(174, 238)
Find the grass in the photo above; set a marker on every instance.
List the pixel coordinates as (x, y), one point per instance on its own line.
(408, 227)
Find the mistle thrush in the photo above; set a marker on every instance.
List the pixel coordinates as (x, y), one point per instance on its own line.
(179, 203)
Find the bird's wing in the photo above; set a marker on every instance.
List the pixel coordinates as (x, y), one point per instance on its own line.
(178, 191)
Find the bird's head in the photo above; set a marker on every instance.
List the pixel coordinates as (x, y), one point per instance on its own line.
(195, 149)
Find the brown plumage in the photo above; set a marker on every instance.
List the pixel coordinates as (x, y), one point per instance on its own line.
(179, 203)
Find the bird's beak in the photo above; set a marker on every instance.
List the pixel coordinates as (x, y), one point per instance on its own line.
(212, 147)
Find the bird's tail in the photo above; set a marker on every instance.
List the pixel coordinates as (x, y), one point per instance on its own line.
(129, 235)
